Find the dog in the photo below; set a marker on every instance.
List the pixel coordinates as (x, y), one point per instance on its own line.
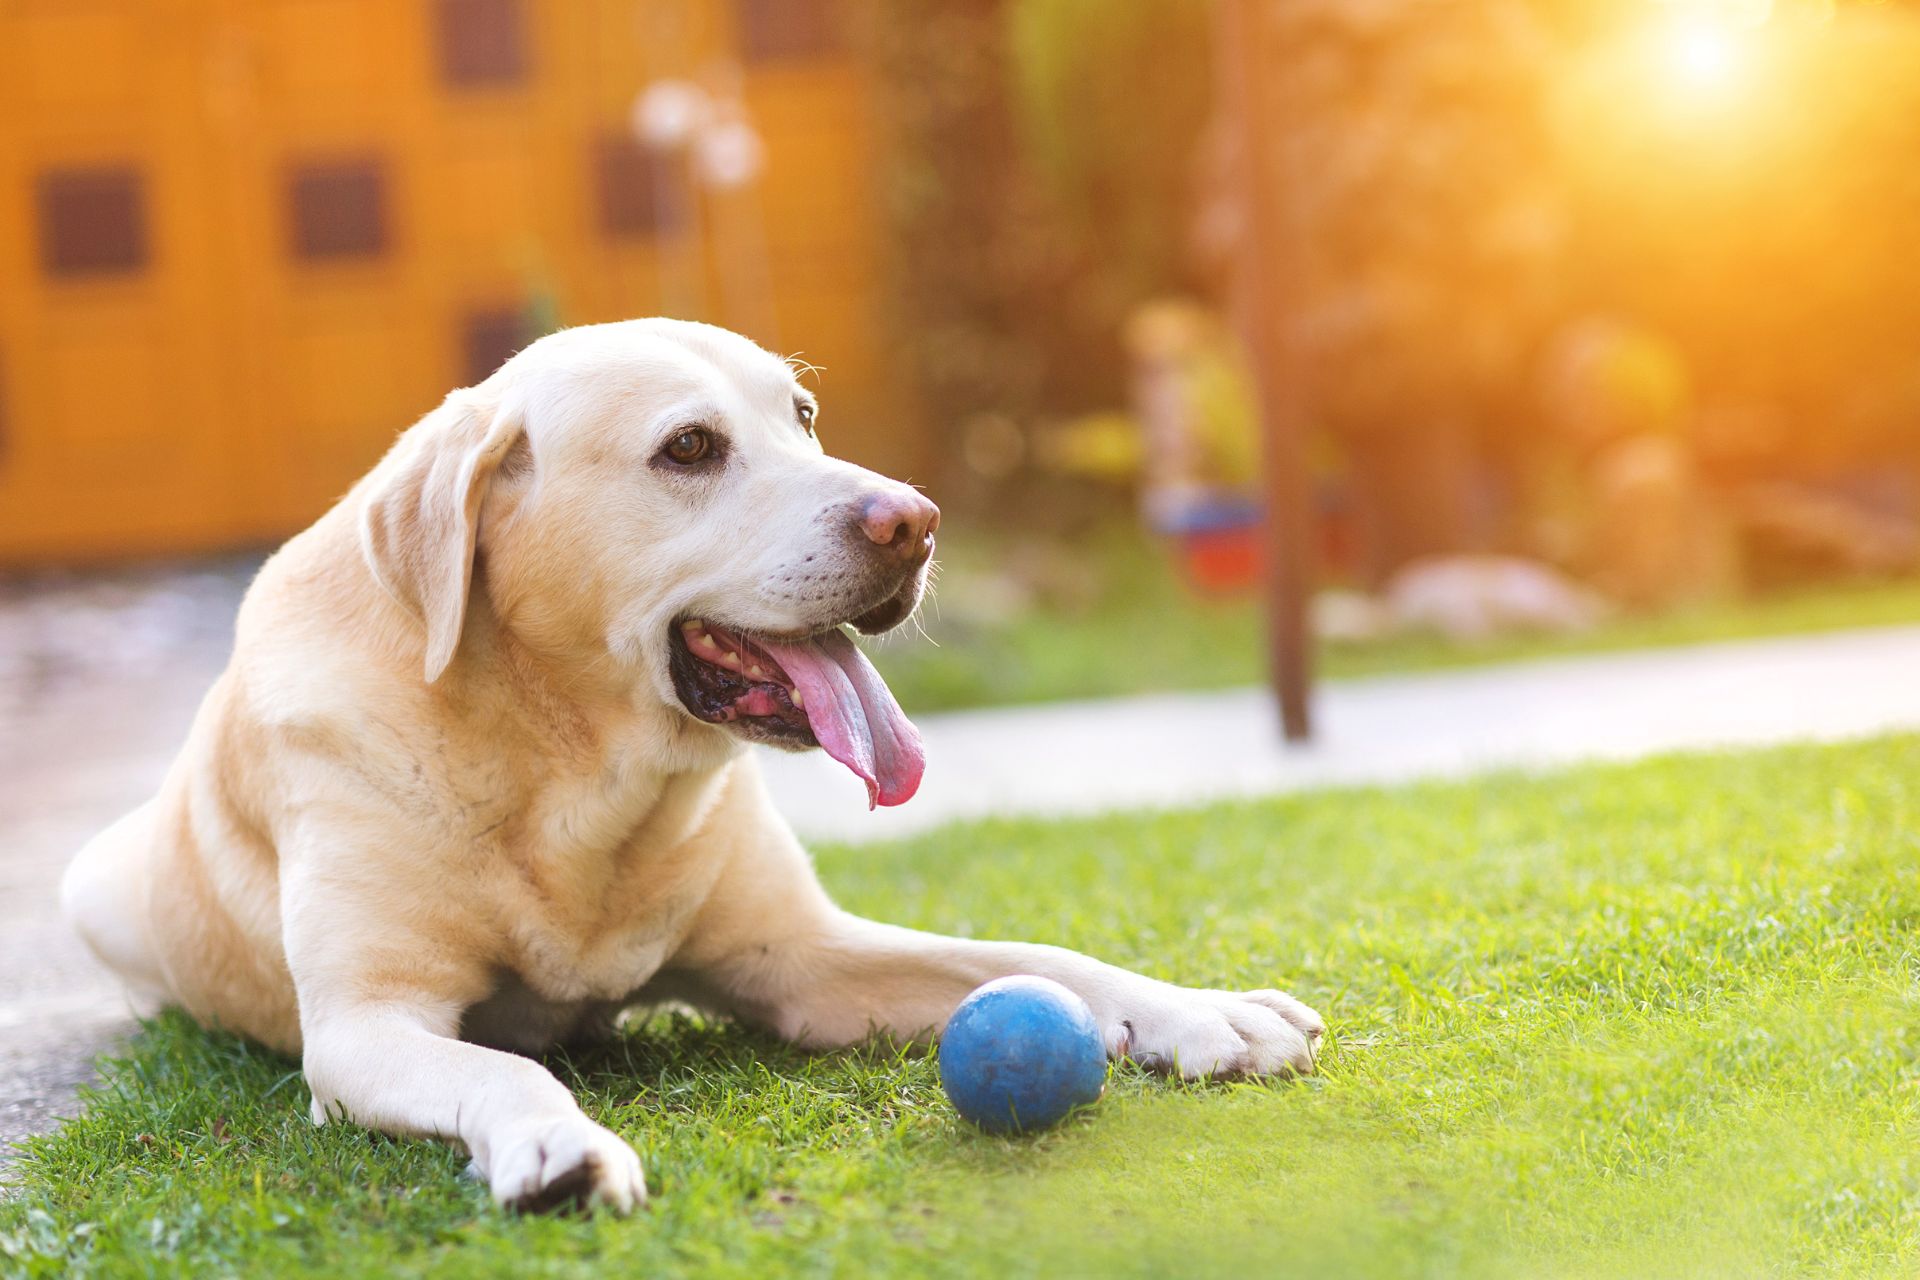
(474, 781)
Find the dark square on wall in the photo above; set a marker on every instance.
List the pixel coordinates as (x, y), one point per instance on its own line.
(92, 221)
(339, 209)
(492, 336)
(628, 176)
(482, 43)
(782, 30)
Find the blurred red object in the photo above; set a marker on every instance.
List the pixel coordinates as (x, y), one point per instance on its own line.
(1217, 539)
(1222, 561)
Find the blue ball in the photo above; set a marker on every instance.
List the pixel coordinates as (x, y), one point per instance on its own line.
(1020, 1053)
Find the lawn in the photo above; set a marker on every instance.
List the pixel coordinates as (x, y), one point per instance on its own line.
(1659, 1019)
(1037, 623)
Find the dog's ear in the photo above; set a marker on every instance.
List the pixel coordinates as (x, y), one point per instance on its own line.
(421, 515)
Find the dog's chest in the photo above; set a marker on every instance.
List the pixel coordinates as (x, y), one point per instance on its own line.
(595, 910)
(557, 960)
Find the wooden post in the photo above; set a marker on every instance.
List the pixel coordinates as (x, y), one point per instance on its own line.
(1267, 266)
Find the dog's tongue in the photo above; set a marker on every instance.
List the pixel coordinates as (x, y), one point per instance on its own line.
(853, 714)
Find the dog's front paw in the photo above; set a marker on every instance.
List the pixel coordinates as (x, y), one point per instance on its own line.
(560, 1162)
(1194, 1033)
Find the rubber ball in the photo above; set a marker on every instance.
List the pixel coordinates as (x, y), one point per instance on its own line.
(1020, 1053)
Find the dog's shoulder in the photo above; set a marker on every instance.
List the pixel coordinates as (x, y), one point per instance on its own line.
(316, 634)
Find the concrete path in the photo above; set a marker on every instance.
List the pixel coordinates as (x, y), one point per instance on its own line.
(82, 741)
(99, 679)
(1179, 749)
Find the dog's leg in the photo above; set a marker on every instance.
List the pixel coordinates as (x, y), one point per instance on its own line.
(844, 978)
(771, 947)
(396, 1066)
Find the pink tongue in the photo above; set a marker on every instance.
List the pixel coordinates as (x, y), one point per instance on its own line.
(853, 714)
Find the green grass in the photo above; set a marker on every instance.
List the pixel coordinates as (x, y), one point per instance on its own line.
(1660, 1019)
(1114, 618)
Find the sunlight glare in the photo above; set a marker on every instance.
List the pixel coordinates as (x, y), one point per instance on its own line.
(1702, 52)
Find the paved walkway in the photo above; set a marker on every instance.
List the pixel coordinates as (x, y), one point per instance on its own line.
(78, 747)
(99, 679)
(1177, 749)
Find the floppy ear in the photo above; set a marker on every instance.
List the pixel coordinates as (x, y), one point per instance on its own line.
(422, 514)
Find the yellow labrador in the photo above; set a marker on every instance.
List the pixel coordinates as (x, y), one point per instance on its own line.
(474, 782)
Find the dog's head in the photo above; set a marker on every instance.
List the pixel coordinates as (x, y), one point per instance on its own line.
(648, 501)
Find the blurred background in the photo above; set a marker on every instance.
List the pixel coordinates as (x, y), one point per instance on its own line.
(1578, 323)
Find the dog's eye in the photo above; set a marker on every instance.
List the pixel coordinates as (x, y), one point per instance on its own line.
(692, 445)
(805, 412)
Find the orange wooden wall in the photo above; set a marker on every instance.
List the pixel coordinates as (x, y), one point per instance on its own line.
(245, 242)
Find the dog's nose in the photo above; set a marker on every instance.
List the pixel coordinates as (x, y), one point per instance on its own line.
(900, 521)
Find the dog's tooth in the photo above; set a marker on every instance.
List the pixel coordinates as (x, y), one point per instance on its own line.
(799, 703)
(692, 625)
(756, 671)
(730, 660)
(706, 638)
